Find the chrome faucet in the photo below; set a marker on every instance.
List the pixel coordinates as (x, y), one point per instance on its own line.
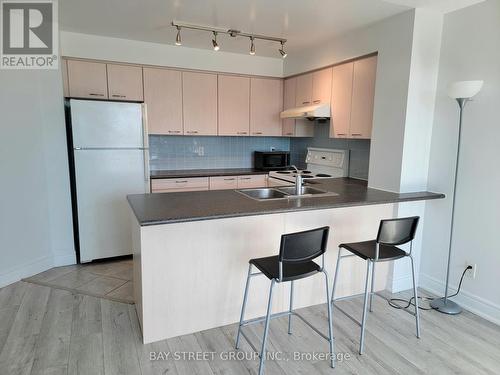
(298, 181)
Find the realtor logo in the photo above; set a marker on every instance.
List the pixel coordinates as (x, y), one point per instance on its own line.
(29, 34)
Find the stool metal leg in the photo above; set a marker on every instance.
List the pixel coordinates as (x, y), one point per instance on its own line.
(266, 328)
(243, 307)
(291, 309)
(417, 317)
(365, 306)
(373, 286)
(336, 274)
(330, 323)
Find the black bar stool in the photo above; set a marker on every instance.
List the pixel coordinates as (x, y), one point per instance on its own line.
(295, 261)
(391, 233)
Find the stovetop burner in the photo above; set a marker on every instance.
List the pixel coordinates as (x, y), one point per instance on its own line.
(323, 175)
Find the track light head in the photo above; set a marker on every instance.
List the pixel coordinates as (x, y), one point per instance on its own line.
(282, 50)
(178, 41)
(214, 42)
(252, 46)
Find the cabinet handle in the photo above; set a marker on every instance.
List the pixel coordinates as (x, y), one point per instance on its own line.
(288, 133)
(94, 94)
(341, 134)
(192, 132)
(181, 181)
(245, 178)
(174, 131)
(257, 133)
(306, 102)
(229, 179)
(356, 134)
(118, 96)
(316, 101)
(242, 133)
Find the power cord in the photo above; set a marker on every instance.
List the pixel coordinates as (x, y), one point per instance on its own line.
(393, 301)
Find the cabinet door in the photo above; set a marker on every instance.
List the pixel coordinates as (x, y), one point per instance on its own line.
(172, 185)
(199, 93)
(304, 90)
(87, 80)
(363, 94)
(224, 183)
(266, 103)
(341, 100)
(252, 181)
(163, 98)
(289, 90)
(125, 82)
(234, 105)
(322, 86)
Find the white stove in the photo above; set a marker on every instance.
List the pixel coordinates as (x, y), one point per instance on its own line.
(321, 163)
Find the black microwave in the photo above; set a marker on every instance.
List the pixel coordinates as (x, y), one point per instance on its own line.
(271, 160)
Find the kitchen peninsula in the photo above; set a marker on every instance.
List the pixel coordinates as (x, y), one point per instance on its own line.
(191, 250)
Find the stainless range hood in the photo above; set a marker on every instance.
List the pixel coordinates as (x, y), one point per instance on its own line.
(311, 112)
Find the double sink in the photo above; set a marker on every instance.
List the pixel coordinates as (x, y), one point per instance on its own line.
(288, 192)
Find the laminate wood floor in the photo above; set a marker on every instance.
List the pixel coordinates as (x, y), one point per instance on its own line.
(46, 330)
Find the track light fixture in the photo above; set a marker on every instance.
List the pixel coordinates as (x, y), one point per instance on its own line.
(282, 50)
(214, 42)
(178, 41)
(231, 32)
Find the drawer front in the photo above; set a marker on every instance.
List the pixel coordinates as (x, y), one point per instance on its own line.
(223, 183)
(179, 184)
(252, 181)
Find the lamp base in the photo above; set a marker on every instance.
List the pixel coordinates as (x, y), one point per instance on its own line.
(449, 307)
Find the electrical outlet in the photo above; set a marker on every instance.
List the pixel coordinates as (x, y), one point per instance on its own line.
(471, 273)
(272, 148)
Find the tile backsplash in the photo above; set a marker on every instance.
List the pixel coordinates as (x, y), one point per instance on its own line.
(359, 150)
(180, 152)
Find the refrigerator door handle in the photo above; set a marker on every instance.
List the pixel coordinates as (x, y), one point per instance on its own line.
(145, 139)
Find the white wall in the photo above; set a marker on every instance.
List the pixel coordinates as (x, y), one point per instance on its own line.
(114, 49)
(469, 51)
(35, 214)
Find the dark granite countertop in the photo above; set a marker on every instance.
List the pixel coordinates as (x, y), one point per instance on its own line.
(204, 172)
(167, 208)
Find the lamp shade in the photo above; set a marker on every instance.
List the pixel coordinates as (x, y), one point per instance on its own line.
(464, 89)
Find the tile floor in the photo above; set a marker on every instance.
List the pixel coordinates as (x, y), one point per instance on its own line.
(111, 280)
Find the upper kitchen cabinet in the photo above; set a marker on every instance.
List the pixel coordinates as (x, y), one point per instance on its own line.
(87, 79)
(304, 90)
(322, 86)
(234, 105)
(266, 103)
(363, 95)
(292, 127)
(125, 82)
(341, 101)
(163, 98)
(199, 93)
(353, 93)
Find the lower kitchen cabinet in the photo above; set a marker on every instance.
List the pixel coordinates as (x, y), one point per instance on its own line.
(252, 181)
(172, 185)
(224, 183)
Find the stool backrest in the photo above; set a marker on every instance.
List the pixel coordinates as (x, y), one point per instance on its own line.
(303, 246)
(397, 231)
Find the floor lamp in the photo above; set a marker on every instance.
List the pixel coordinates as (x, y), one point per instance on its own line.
(462, 91)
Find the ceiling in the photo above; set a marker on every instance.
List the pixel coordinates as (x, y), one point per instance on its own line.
(302, 22)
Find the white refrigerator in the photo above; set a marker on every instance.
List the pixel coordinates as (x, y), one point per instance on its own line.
(109, 160)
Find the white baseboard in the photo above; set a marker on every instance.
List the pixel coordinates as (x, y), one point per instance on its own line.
(477, 305)
(25, 270)
(36, 266)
